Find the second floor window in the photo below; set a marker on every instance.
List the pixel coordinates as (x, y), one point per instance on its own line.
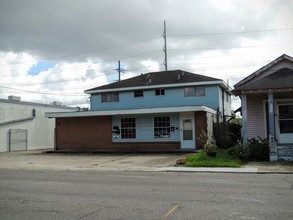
(160, 91)
(110, 97)
(138, 93)
(194, 91)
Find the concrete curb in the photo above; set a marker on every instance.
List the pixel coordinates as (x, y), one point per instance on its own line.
(209, 169)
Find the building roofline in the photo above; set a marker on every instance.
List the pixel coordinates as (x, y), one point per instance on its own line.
(129, 112)
(262, 69)
(36, 104)
(216, 82)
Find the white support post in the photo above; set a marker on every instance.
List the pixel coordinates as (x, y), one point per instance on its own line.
(272, 142)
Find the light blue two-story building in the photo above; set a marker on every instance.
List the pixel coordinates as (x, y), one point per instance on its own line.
(155, 111)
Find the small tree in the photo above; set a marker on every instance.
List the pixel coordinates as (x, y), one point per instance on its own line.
(207, 142)
(227, 134)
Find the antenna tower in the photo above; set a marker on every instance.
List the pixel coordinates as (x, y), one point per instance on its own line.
(165, 47)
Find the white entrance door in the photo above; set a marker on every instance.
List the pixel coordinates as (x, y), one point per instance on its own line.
(285, 123)
(187, 133)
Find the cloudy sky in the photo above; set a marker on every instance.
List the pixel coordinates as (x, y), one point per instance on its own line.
(54, 50)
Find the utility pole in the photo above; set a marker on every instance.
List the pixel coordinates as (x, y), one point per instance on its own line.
(165, 47)
(119, 70)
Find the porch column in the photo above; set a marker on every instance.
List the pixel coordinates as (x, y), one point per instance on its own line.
(244, 119)
(272, 142)
(271, 116)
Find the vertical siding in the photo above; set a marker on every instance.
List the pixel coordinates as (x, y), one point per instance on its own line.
(255, 116)
(145, 128)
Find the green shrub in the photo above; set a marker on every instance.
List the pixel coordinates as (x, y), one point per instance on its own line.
(259, 149)
(239, 149)
(227, 134)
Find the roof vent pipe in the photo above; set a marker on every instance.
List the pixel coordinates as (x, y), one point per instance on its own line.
(149, 82)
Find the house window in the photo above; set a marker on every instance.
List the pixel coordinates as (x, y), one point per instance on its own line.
(110, 97)
(162, 127)
(160, 91)
(128, 128)
(286, 118)
(194, 91)
(138, 93)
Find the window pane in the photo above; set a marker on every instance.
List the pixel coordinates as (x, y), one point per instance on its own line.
(138, 93)
(128, 128)
(199, 90)
(187, 129)
(189, 91)
(286, 111)
(104, 97)
(160, 91)
(286, 126)
(110, 97)
(194, 91)
(162, 127)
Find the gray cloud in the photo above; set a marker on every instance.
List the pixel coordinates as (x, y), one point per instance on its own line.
(85, 39)
(70, 29)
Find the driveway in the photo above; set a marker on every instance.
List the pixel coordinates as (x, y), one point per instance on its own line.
(103, 162)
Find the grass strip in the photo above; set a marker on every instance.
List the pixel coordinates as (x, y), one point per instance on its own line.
(223, 159)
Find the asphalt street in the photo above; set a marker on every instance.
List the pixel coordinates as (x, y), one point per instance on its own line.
(36, 194)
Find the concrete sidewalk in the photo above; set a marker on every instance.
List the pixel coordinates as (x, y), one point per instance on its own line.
(253, 167)
(124, 162)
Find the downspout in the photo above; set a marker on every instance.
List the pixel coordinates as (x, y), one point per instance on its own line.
(223, 104)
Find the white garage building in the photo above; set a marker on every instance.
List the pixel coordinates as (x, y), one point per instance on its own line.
(23, 125)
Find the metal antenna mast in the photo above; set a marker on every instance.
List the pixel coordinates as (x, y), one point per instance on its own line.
(165, 47)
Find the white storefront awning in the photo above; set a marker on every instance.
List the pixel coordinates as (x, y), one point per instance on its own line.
(129, 112)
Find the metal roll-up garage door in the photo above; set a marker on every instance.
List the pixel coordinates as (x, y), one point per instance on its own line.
(17, 139)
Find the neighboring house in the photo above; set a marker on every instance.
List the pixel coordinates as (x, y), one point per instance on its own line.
(23, 125)
(156, 111)
(267, 106)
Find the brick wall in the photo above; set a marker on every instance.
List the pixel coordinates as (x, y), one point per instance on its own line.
(95, 133)
(83, 133)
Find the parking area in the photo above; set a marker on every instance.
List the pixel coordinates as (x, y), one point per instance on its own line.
(103, 162)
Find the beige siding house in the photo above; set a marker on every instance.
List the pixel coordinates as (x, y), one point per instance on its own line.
(267, 106)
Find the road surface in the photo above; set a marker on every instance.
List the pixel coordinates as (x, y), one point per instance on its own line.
(36, 194)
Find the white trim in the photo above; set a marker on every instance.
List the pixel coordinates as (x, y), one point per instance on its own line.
(219, 82)
(183, 143)
(276, 104)
(277, 119)
(129, 111)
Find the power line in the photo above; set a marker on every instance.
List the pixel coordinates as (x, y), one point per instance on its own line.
(220, 48)
(44, 93)
(228, 33)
